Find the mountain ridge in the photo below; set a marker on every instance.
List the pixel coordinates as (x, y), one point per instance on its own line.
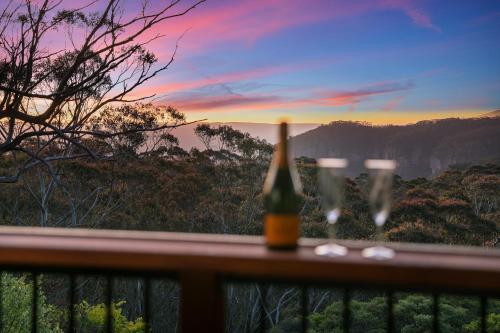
(422, 149)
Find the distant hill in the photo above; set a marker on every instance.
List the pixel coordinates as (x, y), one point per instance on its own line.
(269, 132)
(495, 113)
(422, 149)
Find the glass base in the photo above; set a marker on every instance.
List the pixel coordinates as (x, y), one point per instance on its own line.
(378, 253)
(331, 250)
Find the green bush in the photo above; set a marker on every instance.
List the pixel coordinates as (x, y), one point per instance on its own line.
(413, 314)
(92, 318)
(17, 296)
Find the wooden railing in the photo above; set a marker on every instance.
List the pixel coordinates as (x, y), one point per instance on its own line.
(202, 263)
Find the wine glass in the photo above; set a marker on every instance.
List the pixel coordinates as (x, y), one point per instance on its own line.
(331, 185)
(381, 175)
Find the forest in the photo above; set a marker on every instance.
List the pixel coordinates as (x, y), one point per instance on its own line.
(167, 188)
(161, 187)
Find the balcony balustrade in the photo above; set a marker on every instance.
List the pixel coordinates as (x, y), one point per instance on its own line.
(203, 264)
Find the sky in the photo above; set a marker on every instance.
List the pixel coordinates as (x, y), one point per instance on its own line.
(317, 61)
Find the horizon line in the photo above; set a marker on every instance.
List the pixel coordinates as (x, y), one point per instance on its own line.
(369, 120)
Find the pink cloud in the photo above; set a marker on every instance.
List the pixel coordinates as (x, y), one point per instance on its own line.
(485, 19)
(250, 20)
(247, 21)
(393, 103)
(200, 102)
(208, 103)
(353, 97)
(417, 15)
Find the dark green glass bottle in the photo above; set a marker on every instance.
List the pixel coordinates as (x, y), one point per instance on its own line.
(282, 198)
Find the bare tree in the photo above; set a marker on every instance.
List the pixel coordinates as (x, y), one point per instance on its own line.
(49, 98)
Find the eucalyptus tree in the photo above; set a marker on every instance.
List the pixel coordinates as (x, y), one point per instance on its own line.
(61, 65)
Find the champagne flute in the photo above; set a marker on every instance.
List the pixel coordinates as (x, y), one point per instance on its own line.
(331, 184)
(381, 175)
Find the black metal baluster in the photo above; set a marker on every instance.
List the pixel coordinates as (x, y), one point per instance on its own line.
(71, 296)
(346, 318)
(435, 313)
(1, 301)
(147, 304)
(304, 309)
(109, 310)
(263, 289)
(34, 303)
(390, 311)
(484, 307)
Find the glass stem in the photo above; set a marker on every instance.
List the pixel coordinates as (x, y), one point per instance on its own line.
(332, 231)
(380, 234)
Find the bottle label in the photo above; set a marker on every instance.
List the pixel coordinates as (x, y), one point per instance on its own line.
(281, 230)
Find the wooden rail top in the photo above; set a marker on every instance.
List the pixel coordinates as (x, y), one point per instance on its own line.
(415, 266)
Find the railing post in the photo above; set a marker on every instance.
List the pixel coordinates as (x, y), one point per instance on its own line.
(202, 302)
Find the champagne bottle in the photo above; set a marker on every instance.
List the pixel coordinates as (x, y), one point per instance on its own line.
(282, 198)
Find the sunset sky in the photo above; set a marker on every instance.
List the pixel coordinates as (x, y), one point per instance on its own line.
(383, 61)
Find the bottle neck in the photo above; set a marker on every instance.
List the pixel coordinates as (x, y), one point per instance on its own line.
(282, 149)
